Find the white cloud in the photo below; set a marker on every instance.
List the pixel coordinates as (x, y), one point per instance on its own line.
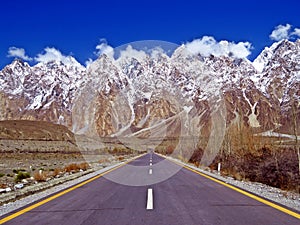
(284, 32)
(296, 32)
(104, 48)
(130, 52)
(52, 54)
(19, 53)
(88, 62)
(209, 46)
(281, 32)
(156, 52)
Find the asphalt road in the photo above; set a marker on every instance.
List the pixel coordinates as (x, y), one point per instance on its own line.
(186, 198)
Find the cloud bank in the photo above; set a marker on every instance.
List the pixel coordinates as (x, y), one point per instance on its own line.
(101, 48)
(207, 45)
(281, 32)
(52, 54)
(104, 48)
(18, 53)
(296, 32)
(88, 62)
(131, 52)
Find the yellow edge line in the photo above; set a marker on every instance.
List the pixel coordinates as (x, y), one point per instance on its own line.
(8, 218)
(266, 202)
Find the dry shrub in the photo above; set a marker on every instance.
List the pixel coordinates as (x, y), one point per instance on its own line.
(237, 176)
(56, 171)
(71, 167)
(103, 160)
(83, 166)
(170, 149)
(22, 175)
(120, 158)
(40, 177)
(196, 156)
(120, 151)
(76, 167)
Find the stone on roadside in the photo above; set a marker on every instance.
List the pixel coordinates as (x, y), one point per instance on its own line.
(19, 186)
(24, 181)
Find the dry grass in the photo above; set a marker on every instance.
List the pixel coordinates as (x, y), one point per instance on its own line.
(103, 160)
(120, 158)
(121, 151)
(84, 166)
(73, 167)
(57, 171)
(40, 176)
(269, 160)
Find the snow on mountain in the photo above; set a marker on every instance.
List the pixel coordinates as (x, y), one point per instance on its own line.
(281, 66)
(138, 92)
(43, 92)
(263, 58)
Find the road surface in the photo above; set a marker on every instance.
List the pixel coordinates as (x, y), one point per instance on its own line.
(186, 198)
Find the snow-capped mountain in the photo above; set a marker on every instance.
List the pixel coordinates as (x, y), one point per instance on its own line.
(279, 80)
(42, 92)
(143, 96)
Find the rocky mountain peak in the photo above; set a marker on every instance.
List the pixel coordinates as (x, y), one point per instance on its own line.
(260, 92)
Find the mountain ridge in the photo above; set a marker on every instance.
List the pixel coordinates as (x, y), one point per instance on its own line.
(262, 94)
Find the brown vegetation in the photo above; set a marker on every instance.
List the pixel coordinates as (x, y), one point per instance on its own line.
(40, 176)
(245, 155)
(73, 167)
(121, 151)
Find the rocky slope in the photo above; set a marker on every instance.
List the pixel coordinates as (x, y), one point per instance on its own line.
(42, 92)
(34, 130)
(24, 136)
(158, 95)
(279, 81)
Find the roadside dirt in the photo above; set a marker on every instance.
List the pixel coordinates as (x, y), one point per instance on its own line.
(34, 130)
(38, 151)
(277, 167)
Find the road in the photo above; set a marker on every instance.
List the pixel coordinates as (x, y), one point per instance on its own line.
(186, 198)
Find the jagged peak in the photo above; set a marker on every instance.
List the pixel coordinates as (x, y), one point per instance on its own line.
(265, 56)
(68, 62)
(18, 62)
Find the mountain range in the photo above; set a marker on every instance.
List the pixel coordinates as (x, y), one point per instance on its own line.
(156, 95)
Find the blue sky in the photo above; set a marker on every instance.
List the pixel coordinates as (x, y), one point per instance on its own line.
(77, 27)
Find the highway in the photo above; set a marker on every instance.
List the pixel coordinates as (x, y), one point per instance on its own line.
(185, 198)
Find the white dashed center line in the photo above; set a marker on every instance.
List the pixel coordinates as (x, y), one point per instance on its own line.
(150, 171)
(150, 199)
